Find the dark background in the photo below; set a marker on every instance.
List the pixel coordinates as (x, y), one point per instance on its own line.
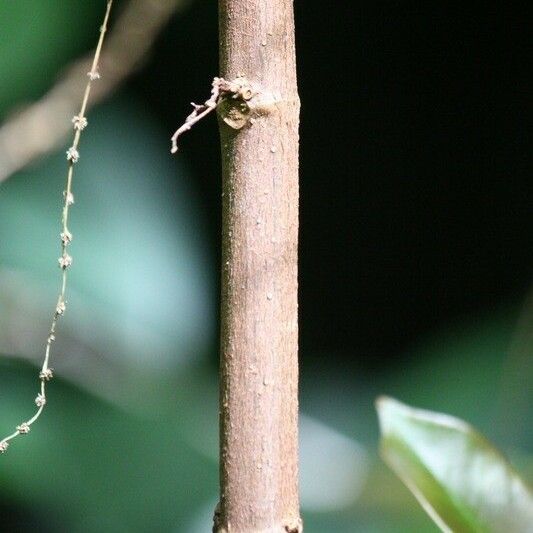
(415, 190)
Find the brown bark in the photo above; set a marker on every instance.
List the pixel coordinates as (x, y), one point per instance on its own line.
(259, 337)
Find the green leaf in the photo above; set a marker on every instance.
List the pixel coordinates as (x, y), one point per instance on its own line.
(458, 477)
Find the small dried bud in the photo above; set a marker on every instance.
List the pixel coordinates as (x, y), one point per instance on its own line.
(23, 429)
(47, 374)
(93, 75)
(73, 155)
(51, 338)
(60, 309)
(4, 446)
(40, 400)
(80, 123)
(65, 261)
(69, 197)
(66, 237)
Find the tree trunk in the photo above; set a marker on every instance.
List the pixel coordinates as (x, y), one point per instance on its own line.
(259, 337)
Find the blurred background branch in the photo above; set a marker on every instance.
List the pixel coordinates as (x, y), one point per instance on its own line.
(42, 126)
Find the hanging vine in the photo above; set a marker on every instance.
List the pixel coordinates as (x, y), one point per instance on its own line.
(79, 123)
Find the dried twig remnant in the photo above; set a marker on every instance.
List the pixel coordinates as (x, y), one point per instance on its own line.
(65, 260)
(238, 89)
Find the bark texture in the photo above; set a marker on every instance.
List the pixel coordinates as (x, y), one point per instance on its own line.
(259, 337)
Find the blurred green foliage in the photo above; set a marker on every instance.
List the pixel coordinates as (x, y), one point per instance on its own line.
(128, 441)
(37, 38)
(459, 478)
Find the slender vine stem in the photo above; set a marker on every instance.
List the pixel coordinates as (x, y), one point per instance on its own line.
(79, 123)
